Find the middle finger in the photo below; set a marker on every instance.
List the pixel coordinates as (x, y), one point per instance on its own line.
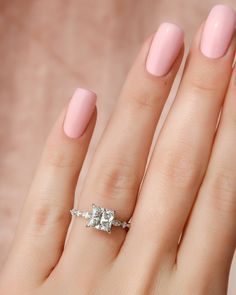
(183, 148)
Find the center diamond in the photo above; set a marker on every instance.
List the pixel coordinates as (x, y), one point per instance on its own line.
(101, 218)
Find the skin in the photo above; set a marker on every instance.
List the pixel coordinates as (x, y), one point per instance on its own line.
(188, 191)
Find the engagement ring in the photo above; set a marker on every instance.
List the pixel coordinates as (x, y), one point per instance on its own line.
(100, 218)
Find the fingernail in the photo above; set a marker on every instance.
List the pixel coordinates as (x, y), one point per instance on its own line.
(218, 31)
(79, 112)
(164, 49)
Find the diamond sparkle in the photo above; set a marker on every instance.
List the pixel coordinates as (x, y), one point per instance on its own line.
(101, 218)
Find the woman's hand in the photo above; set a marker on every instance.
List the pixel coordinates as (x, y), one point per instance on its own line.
(183, 231)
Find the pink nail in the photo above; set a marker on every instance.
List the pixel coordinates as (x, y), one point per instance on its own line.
(79, 112)
(218, 31)
(165, 47)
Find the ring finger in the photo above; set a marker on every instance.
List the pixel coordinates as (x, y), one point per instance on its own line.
(118, 166)
(183, 148)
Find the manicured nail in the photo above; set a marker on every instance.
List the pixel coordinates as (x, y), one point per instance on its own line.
(218, 31)
(79, 112)
(165, 47)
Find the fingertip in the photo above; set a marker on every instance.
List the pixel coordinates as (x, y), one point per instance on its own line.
(79, 112)
(164, 49)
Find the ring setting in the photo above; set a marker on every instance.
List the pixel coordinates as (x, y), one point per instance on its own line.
(100, 218)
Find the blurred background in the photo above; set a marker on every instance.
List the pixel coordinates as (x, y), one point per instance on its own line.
(47, 49)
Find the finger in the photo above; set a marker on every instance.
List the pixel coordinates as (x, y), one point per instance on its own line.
(118, 166)
(211, 231)
(45, 217)
(182, 152)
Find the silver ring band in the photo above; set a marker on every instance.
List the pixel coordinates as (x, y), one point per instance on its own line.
(100, 218)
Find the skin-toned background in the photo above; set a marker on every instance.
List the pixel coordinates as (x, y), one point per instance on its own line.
(47, 49)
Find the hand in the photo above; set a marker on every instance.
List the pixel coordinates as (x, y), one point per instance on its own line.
(183, 231)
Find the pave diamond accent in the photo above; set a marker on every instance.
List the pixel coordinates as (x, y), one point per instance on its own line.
(101, 218)
(74, 212)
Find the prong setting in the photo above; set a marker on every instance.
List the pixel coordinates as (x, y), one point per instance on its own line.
(100, 218)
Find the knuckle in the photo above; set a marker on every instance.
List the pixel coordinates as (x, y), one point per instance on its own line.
(177, 167)
(44, 216)
(117, 178)
(223, 186)
(58, 158)
(202, 84)
(145, 100)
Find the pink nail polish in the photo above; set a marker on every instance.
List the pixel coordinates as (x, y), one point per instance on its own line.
(218, 31)
(165, 48)
(79, 112)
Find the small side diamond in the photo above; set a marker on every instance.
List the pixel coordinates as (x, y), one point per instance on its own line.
(86, 215)
(124, 224)
(74, 212)
(116, 223)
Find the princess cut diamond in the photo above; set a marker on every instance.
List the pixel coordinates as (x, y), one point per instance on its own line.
(101, 218)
